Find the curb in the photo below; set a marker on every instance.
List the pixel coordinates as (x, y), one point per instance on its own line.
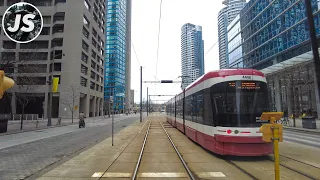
(29, 130)
(301, 130)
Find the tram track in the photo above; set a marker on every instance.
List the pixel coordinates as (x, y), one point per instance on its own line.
(241, 169)
(312, 171)
(136, 170)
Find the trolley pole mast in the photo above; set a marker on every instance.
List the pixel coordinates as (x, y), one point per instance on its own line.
(140, 93)
(314, 44)
(147, 102)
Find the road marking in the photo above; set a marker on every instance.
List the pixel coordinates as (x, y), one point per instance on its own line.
(210, 174)
(163, 174)
(97, 174)
(117, 175)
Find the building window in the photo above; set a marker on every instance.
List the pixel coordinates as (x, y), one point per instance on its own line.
(35, 45)
(32, 68)
(84, 57)
(33, 56)
(85, 32)
(86, 4)
(58, 28)
(59, 1)
(83, 82)
(93, 64)
(46, 19)
(92, 85)
(31, 81)
(40, 2)
(85, 46)
(57, 67)
(45, 31)
(94, 32)
(93, 75)
(9, 45)
(10, 2)
(94, 42)
(93, 54)
(84, 69)
(59, 16)
(86, 21)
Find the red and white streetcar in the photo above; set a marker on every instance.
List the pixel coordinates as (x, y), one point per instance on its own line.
(221, 111)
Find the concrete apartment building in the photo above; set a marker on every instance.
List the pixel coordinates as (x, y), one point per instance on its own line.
(71, 47)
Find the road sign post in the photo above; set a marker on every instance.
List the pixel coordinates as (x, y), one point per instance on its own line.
(273, 133)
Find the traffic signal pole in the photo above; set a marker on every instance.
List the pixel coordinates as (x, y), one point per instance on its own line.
(273, 133)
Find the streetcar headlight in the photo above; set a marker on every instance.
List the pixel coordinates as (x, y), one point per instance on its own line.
(229, 131)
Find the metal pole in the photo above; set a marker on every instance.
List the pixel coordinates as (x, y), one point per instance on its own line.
(276, 150)
(140, 93)
(109, 111)
(112, 115)
(147, 102)
(314, 44)
(50, 101)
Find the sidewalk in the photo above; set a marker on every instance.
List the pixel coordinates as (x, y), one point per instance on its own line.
(31, 125)
(300, 128)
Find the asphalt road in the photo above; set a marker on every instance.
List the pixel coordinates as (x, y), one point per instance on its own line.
(25, 154)
(303, 138)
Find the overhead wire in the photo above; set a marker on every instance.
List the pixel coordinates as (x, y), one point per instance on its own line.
(134, 50)
(159, 30)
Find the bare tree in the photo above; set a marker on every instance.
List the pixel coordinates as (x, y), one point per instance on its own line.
(71, 98)
(296, 82)
(22, 67)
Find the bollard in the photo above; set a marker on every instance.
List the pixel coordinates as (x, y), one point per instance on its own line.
(13, 118)
(20, 117)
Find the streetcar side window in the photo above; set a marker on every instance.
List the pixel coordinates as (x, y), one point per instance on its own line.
(208, 114)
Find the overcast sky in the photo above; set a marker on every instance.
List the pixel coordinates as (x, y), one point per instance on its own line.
(175, 13)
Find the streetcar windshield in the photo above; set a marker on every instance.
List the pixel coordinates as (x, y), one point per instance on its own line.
(239, 103)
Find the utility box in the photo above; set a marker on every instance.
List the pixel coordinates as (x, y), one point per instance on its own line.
(4, 122)
(309, 122)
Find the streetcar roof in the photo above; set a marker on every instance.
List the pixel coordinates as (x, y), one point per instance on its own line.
(223, 73)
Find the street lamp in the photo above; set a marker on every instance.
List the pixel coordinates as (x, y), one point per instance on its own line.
(51, 93)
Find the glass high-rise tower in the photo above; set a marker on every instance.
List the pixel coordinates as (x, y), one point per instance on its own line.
(192, 53)
(225, 17)
(118, 43)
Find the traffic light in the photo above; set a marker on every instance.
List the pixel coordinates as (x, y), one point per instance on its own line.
(273, 130)
(268, 134)
(166, 81)
(5, 83)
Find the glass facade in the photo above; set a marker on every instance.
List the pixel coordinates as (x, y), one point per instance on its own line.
(225, 19)
(234, 44)
(272, 32)
(115, 62)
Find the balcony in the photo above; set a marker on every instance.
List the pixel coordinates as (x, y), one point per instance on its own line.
(57, 43)
(58, 18)
(57, 31)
